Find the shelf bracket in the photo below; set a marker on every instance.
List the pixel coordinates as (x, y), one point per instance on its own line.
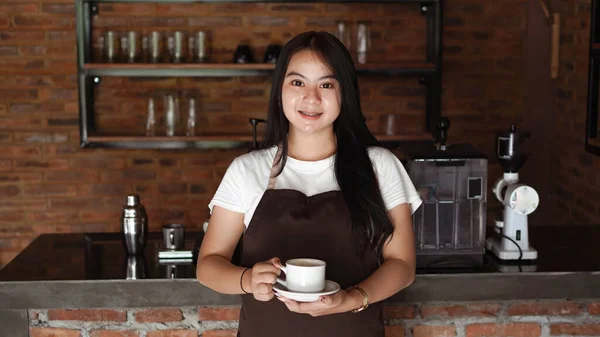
(424, 9)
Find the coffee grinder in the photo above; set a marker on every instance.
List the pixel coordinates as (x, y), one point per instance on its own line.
(510, 240)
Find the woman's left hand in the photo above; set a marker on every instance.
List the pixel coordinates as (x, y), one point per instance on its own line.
(326, 305)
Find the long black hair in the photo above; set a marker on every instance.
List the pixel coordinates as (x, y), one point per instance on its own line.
(354, 172)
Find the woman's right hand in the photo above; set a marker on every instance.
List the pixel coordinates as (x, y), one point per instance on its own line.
(263, 277)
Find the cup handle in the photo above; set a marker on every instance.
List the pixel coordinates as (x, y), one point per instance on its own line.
(280, 281)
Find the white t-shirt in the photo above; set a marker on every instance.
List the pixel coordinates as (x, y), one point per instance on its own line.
(247, 178)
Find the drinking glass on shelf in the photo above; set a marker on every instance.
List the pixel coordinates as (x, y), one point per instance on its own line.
(363, 42)
(155, 46)
(198, 47)
(171, 114)
(109, 46)
(175, 44)
(151, 118)
(342, 32)
(130, 45)
(191, 118)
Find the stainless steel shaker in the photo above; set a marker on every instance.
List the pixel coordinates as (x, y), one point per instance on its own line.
(134, 225)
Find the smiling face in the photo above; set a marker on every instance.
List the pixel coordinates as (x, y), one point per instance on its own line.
(310, 95)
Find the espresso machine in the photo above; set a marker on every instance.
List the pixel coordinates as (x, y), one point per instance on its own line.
(510, 240)
(451, 179)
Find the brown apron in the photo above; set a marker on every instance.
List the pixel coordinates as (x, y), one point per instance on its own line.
(288, 224)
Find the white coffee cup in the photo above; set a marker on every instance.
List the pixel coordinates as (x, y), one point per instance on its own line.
(304, 275)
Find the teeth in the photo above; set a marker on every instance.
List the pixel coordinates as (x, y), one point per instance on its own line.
(309, 114)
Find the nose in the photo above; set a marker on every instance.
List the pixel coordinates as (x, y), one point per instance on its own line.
(312, 96)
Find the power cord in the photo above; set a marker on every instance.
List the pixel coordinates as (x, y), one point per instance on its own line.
(516, 244)
(518, 247)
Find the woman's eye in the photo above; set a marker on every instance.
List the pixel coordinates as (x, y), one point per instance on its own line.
(327, 85)
(296, 83)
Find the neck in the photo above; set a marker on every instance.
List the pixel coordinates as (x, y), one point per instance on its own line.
(311, 147)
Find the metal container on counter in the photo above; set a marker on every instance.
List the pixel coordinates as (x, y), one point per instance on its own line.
(134, 225)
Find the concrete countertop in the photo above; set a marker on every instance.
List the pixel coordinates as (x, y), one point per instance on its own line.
(83, 271)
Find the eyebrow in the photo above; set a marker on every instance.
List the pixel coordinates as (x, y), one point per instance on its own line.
(292, 73)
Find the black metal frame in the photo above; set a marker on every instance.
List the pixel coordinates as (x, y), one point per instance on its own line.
(431, 78)
(591, 126)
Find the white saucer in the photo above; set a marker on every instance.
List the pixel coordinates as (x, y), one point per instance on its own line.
(330, 288)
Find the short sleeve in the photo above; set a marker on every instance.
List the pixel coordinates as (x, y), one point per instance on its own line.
(394, 182)
(230, 193)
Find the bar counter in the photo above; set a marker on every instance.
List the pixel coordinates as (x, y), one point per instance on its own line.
(91, 270)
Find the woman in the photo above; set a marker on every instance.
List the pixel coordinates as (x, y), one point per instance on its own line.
(320, 188)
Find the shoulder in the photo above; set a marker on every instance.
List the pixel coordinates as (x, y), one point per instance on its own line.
(254, 159)
(380, 155)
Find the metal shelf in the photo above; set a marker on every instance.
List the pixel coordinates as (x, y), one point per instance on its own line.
(228, 70)
(429, 72)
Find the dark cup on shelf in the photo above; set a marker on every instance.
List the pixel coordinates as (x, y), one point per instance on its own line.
(272, 53)
(243, 54)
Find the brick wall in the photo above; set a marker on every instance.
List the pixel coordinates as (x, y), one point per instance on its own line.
(478, 319)
(577, 183)
(48, 184)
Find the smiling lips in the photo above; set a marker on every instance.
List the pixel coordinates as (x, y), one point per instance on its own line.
(310, 115)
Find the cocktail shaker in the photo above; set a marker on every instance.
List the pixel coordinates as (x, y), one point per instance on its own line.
(134, 225)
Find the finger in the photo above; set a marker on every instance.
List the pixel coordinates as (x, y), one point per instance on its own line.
(276, 262)
(269, 278)
(262, 288)
(265, 268)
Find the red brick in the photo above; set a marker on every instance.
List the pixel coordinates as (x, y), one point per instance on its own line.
(503, 330)
(218, 313)
(78, 203)
(5, 164)
(433, 331)
(394, 331)
(20, 123)
(470, 310)
(42, 164)
(571, 329)
(18, 8)
(86, 227)
(114, 333)
(30, 177)
(51, 217)
(220, 333)
(60, 190)
(59, 8)
(128, 175)
(20, 151)
(70, 176)
(402, 312)
(95, 315)
(12, 217)
(594, 308)
(172, 333)
(43, 21)
(544, 309)
(11, 231)
(159, 315)
(98, 162)
(41, 137)
(9, 190)
(23, 204)
(53, 332)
